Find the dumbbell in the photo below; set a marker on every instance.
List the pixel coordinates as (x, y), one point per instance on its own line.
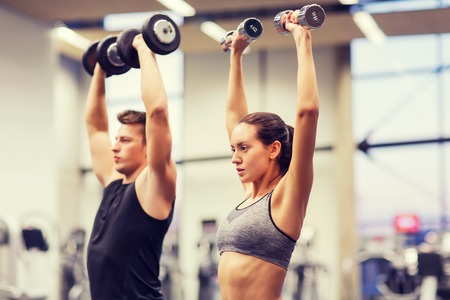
(116, 54)
(250, 28)
(105, 53)
(160, 34)
(312, 16)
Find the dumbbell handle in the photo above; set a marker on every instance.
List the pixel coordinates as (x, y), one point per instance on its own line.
(312, 16)
(114, 57)
(251, 29)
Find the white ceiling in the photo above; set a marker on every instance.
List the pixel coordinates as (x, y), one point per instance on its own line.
(338, 30)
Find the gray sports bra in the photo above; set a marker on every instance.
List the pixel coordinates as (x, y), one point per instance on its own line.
(252, 231)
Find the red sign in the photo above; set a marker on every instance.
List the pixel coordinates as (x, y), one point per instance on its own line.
(407, 223)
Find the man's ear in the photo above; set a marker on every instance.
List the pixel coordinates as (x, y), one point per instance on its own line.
(275, 149)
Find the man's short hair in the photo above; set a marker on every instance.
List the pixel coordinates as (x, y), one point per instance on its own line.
(130, 117)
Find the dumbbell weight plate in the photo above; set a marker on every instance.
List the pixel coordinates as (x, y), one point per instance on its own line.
(252, 28)
(312, 16)
(89, 58)
(125, 47)
(109, 59)
(161, 34)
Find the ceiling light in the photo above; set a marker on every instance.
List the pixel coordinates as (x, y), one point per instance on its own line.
(216, 32)
(71, 37)
(213, 30)
(349, 2)
(369, 27)
(179, 6)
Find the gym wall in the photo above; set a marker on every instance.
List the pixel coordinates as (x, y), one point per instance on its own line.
(28, 172)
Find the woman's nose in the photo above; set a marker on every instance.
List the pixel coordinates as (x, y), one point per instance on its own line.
(235, 158)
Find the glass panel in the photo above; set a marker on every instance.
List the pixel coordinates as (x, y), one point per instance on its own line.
(446, 49)
(123, 88)
(398, 55)
(172, 72)
(445, 80)
(397, 180)
(128, 86)
(446, 169)
(395, 108)
(401, 95)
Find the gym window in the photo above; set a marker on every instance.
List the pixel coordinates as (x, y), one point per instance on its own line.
(401, 104)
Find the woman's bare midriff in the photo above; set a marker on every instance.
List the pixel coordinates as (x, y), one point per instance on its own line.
(243, 277)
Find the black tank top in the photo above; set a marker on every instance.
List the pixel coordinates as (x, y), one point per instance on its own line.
(125, 247)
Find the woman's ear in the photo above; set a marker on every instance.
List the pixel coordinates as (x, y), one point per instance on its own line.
(275, 149)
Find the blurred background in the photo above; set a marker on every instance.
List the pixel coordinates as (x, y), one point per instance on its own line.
(377, 222)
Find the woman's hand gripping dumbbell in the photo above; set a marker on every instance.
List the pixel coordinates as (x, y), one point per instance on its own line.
(311, 16)
(250, 29)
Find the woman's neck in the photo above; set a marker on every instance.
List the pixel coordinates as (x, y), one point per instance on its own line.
(267, 183)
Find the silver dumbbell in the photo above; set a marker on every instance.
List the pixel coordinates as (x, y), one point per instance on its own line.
(250, 28)
(312, 16)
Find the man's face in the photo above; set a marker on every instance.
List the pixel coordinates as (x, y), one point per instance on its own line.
(130, 152)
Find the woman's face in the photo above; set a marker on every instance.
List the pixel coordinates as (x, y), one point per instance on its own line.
(250, 156)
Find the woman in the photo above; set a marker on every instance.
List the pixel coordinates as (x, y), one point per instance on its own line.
(275, 165)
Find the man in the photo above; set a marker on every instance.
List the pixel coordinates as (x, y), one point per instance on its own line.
(139, 177)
